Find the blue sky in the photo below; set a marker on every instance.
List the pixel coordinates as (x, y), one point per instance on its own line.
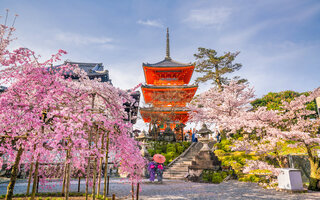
(279, 40)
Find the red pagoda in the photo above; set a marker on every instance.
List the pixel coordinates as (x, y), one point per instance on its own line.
(167, 91)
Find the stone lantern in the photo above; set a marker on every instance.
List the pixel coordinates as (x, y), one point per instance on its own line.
(205, 160)
(143, 138)
(204, 132)
(168, 134)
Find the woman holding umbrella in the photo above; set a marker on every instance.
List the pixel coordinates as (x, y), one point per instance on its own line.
(159, 159)
(152, 170)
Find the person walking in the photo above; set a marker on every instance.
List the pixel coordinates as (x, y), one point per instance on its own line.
(159, 171)
(218, 137)
(152, 170)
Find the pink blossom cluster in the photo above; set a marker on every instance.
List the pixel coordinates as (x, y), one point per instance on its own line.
(262, 129)
(260, 165)
(47, 115)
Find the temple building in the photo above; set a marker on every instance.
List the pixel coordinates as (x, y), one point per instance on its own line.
(167, 91)
(97, 70)
(94, 70)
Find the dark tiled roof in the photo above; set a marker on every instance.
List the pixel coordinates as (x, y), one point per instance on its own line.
(167, 63)
(3, 88)
(94, 70)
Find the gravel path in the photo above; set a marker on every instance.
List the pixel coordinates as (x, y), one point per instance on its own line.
(177, 189)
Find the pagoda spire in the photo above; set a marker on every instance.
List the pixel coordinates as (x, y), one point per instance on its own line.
(168, 47)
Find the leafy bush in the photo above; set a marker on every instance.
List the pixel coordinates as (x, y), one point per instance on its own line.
(170, 150)
(214, 177)
(180, 149)
(224, 145)
(251, 178)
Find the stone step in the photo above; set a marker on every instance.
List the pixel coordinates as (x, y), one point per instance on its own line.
(180, 166)
(179, 169)
(176, 174)
(175, 178)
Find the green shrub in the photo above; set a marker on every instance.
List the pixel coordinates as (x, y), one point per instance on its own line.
(250, 178)
(151, 152)
(207, 175)
(180, 149)
(170, 150)
(214, 177)
(224, 145)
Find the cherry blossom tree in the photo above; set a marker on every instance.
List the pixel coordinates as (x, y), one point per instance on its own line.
(263, 130)
(45, 116)
(225, 108)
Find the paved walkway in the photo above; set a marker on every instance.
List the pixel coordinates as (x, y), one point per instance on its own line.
(176, 189)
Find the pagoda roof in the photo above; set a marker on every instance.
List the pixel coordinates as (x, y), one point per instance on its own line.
(167, 62)
(169, 86)
(164, 109)
(179, 114)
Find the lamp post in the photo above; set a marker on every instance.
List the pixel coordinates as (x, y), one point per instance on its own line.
(204, 132)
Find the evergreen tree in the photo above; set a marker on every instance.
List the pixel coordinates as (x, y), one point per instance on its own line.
(214, 67)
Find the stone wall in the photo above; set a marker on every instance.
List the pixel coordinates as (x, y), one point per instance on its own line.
(300, 162)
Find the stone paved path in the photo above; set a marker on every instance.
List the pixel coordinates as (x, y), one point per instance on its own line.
(228, 190)
(176, 189)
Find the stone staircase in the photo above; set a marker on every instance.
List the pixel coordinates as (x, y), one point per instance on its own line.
(178, 168)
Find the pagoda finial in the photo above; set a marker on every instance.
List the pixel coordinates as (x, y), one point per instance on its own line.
(168, 47)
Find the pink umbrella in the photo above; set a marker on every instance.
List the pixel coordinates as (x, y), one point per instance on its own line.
(159, 158)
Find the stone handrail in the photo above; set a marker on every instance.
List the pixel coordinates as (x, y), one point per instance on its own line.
(183, 154)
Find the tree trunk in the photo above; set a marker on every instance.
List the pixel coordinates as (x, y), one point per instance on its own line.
(68, 175)
(106, 168)
(95, 168)
(14, 173)
(79, 181)
(138, 190)
(132, 191)
(314, 183)
(89, 141)
(64, 178)
(94, 179)
(30, 177)
(88, 172)
(67, 181)
(100, 165)
(35, 179)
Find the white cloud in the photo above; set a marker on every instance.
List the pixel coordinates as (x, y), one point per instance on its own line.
(239, 37)
(154, 23)
(209, 17)
(77, 39)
